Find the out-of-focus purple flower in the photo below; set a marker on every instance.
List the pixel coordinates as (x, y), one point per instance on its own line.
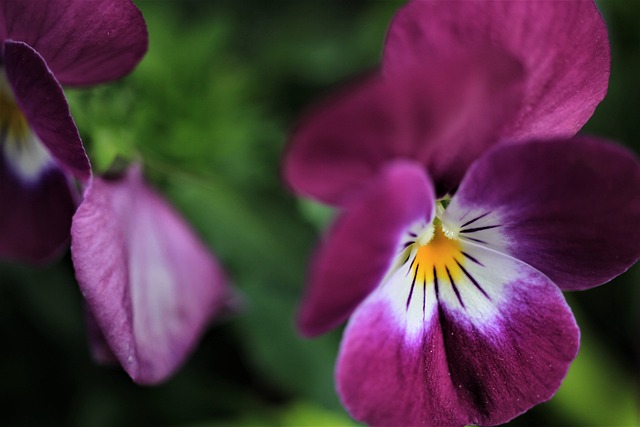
(46, 43)
(463, 217)
(151, 287)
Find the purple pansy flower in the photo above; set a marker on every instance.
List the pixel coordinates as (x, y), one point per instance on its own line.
(46, 43)
(463, 216)
(150, 285)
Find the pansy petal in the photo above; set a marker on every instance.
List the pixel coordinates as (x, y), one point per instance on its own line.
(563, 44)
(83, 42)
(383, 379)
(35, 217)
(420, 353)
(360, 245)
(42, 101)
(151, 285)
(442, 116)
(566, 207)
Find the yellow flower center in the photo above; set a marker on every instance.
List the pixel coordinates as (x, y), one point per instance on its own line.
(439, 261)
(441, 257)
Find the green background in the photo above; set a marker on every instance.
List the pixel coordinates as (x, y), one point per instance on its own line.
(208, 111)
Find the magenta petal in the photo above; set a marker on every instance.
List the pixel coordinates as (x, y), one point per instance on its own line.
(443, 117)
(42, 101)
(83, 42)
(385, 380)
(363, 243)
(151, 285)
(35, 215)
(438, 363)
(568, 208)
(563, 44)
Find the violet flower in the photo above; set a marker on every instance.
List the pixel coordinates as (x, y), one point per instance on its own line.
(150, 285)
(463, 216)
(46, 43)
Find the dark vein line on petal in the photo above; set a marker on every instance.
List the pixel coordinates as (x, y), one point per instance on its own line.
(413, 283)
(412, 263)
(435, 283)
(475, 240)
(424, 294)
(470, 257)
(473, 280)
(474, 220)
(453, 285)
(473, 230)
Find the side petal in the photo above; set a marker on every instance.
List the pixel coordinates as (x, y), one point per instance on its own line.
(363, 243)
(565, 207)
(457, 358)
(42, 101)
(83, 42)
(563, 45)
(442, 116)
(35, 215)
(150, 284)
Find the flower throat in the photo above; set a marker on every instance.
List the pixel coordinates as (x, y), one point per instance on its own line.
(13, 124)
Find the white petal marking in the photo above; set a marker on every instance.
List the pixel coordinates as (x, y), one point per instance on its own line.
(476, 225)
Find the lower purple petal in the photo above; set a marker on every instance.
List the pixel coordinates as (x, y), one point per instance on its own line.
(150, 284)
(384, 379)
(444, 363)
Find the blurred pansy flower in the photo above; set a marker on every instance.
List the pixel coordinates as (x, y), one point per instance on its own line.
(46, 43)
(463, 216)
(151, 287)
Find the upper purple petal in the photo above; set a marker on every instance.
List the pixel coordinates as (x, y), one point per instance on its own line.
(567, 207)
(41, 99)
(452, 358)
(563, 45)
(148, 281)
(35, 215)
(83, 42)
(442, 116)
(362, 243)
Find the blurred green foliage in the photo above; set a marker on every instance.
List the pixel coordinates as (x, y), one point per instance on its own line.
(207, 112)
